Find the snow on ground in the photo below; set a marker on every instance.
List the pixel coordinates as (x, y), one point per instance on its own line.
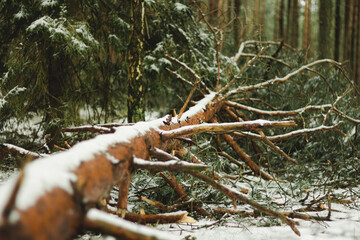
(345, 225)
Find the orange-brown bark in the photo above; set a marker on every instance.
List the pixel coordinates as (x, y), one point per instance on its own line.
(58, 214)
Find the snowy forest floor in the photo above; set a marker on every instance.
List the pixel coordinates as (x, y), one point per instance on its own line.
(344, 224)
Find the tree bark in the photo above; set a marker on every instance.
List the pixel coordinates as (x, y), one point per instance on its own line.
(236, 25)
(354, 37)
(347, 30)
(325, 46)
(293, 23)
(337, 30)
(306, 42)
(135, 55)
(281, 20)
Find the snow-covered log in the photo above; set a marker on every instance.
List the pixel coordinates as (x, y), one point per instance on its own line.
(50, 197)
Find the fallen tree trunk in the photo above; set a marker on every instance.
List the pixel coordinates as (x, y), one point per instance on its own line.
(50, 197)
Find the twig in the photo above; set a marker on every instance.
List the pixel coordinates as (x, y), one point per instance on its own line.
(334, 104)
(242, 70)
(189, 70)
(182, 110)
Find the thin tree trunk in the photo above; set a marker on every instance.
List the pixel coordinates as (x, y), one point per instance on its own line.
(337, 31)
(289, 21)
(54, 113)
(354, 37)
(135, 55)
(306, 42)
(357, 52)
(276, 20)
(212, 10)
(236, 26)
(325, 10)
(347, 32)
(281, 20)
(295, 24)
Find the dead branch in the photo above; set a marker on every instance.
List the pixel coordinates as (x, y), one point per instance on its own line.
(171, 165)
(22, 151)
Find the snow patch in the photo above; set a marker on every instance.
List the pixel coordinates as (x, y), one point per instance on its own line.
(180, 7)
(200, 106)
(48, 3)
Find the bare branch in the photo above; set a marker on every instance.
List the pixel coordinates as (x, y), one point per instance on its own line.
(334, 104)
(224, 127)
(283, 79)
(287, 135)
(277, 113)
(171, 165)
(23, 151)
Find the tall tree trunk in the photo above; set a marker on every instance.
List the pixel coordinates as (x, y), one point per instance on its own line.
(337, 30)
(250, 9)
(306, 42)
(276, 20)
(262, 5)
(236, 26)
(54, 114)
(281, 20)
(288, 21)
(325, 10)
(135, 55)
(357, 51)
(295, 24)
(347, 32)
(292, 29)
(212, 10)
(353, 36)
